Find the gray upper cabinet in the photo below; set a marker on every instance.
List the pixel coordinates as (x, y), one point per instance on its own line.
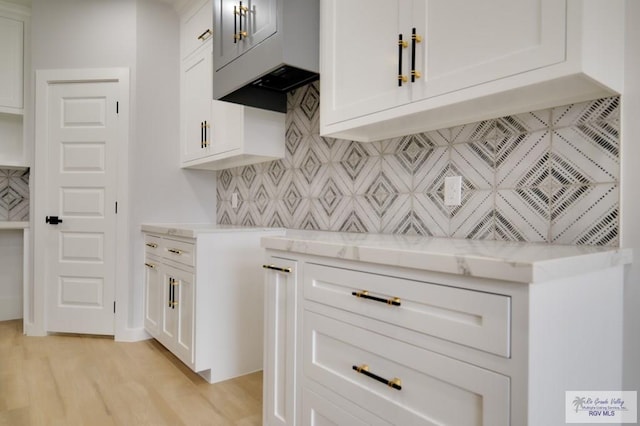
(241, 25)
(264, 48)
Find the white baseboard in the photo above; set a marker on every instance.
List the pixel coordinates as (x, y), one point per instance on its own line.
(131, 335)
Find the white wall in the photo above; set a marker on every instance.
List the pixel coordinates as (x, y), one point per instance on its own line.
(11, 277)
(630, 216)
(143, 36)
(160, 190)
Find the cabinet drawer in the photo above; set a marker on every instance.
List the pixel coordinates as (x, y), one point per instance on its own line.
(434, 389)
(179, 251)
(472, 318)
(319, 411)
(152, 245)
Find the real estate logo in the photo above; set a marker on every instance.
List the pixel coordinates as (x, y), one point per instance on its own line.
(601, 406)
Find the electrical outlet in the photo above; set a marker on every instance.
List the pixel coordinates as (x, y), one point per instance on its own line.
(453, 191)
(234, 200)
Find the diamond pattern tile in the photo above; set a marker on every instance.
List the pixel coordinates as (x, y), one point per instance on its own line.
(543, 176)
(475, 162)
(518, 124)
(585, 154)
(433, 213)
(14, 195)
(585, 215)
(584, 112)
(474, 219)
(479, 131)
(523, 214)
(523, 160)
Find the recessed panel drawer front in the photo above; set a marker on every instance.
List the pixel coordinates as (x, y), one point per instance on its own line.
(152, 245)
(472, 318)
(401, 383)
(180, 251)
(319, 411)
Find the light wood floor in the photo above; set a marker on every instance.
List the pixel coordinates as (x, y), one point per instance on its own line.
(78, 380)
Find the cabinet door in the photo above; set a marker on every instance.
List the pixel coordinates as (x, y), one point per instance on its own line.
(240, 25)
(152, 295)
(196, 105)
(227, 126)
(11, 65)
(360, 57)
(183, 303)
(468, 43)
(195, 28)
(178, 313)
(279, 399)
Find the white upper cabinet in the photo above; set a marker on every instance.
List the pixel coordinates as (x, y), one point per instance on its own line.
(396, 67)
(196, 28)
(241, 25)
(238, 135)
(196, 104)
(11, 63)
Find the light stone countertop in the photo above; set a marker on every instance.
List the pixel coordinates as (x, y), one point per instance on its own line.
(511, 261)
(13, 225)
(191, 230)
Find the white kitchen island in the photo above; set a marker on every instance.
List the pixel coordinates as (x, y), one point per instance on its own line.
(389, 329)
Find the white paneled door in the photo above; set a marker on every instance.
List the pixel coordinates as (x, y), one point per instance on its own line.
(80, 207)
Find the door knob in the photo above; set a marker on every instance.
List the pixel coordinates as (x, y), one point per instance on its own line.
(53, 220)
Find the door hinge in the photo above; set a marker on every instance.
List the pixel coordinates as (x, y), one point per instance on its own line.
(116, 207)
(114, 306)
(117, 107)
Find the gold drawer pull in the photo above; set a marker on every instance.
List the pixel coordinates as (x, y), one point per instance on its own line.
(152, 245)
(277, 268)
(394, 383)
(175, 251)
(394, 301)
(149, 265)
(204, 35)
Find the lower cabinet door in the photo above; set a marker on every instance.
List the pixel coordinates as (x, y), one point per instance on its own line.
(152, 296)
(401, 383)
(177, 332)
(320, 411)
(279, 377)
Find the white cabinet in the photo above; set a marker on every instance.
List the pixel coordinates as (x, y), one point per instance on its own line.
(11, 62)
(217, 135)
(413, 65)
(178, 315)
(196, 105)
(280, 380)
(14, 30)
(195, 28)
(204, 297)
(239, 135)
(379, 344)
(240, 26)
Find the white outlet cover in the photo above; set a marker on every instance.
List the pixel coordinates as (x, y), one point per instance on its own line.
(453, 190)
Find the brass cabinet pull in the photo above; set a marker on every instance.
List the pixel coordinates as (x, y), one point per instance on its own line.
(401, 45)
(394, 383)
(149, 265)
(152, 245)
(203, 36)
(173, 283)
(206, 134)
(395, 301)
(277, 268)
(174, 251)
(415, 38)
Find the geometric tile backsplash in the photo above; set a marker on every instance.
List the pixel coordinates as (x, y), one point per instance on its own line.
(14, 195)
(544, 176)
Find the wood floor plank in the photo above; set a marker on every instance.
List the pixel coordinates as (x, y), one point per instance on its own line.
(86, 380)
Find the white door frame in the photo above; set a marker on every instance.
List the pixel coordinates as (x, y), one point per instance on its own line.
(35, 303)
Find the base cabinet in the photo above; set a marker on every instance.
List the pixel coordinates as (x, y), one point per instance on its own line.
(204, 298)
(353, 343)
(280, 335)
